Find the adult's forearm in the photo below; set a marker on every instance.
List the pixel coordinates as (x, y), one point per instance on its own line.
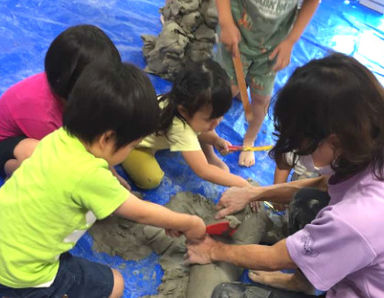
(283, 192)
(258, 257)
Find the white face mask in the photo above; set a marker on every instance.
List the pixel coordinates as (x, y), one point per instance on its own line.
(307, 162)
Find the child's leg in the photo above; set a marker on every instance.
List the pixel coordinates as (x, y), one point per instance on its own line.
(76, 277)
(288, 281)
(143, 168)
(13, 151)
(212, 158)
(259, 107)
(118, 284)
(261, 80)
(22, 151)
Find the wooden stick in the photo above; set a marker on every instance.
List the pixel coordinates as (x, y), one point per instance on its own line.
(242, 86)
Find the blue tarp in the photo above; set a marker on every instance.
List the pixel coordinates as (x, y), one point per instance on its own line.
(27, 28)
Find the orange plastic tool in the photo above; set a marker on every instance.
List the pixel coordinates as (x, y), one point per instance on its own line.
(220, 229)
(242, 86)
(242, 148)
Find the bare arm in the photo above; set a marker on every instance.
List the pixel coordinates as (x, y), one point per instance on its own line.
(283, 51)
(145, 212)
(212, 138)
(235, 198)
(305, 14)
(230, 34)
(281, 175)
(199, 164)
(252, 256)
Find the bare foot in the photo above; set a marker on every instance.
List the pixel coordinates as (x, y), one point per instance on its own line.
(216, 161)
(247, 158)
(288, 281)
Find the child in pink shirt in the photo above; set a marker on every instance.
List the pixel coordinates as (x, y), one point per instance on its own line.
(33, 108)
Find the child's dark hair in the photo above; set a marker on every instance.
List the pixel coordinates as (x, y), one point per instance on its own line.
(333, 95)
(117, 97)
(199, 84)
(71, 51)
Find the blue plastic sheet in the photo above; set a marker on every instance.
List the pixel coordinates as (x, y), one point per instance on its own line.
(27, 28)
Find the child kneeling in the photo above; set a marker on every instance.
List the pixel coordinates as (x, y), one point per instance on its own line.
(59, 192)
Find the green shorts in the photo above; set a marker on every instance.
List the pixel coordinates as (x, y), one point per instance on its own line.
(259, 36)
(257, 70)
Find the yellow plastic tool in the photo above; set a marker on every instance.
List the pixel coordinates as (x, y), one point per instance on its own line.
(257, 148)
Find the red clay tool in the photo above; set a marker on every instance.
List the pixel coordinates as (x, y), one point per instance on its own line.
(220, 229)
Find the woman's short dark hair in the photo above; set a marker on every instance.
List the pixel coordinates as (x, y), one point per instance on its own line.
(333, 95)
(71, 51)
(117, 97)
(198, 85)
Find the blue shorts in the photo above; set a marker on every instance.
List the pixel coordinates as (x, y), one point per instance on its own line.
(76, 278)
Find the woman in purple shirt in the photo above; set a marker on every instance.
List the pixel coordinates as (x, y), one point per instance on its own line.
(332, 110)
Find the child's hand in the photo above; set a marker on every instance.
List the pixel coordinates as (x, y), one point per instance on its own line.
(221, 145)
(230, 36)
(196, 230)
(282, 53)
(173, 233)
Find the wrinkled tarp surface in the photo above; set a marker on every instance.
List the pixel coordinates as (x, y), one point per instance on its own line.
(27, 28)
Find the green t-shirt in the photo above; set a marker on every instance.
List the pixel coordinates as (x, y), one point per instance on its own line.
(263, 23)
(48, 204)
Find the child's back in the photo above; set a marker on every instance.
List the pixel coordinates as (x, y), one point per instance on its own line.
(44, 207)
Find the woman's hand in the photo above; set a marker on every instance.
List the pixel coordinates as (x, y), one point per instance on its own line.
(233, 200)
(200, 252)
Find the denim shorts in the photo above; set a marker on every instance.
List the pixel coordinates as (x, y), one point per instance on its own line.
(76, 278)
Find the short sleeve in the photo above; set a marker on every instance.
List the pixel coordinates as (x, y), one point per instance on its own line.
(35, 128)
(329, 249)
(182, 137)
(100, 192)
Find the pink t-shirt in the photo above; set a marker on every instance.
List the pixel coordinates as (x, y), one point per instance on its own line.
(342, 250)
(29, 108)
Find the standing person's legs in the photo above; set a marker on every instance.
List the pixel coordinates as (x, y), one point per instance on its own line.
(260, 79)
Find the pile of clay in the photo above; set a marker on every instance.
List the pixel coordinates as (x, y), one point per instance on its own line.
(188, 33)
(133, 241)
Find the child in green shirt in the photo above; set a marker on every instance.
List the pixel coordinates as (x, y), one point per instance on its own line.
(58, 193)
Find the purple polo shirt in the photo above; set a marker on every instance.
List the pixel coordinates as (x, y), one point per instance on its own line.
(342, 250)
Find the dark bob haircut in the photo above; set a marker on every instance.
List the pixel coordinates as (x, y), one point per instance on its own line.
(117, 97)
(200, 84)
(333, 95)
(71, 51)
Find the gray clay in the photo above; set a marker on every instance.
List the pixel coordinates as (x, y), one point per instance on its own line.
(133, 241)
(188, 33)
